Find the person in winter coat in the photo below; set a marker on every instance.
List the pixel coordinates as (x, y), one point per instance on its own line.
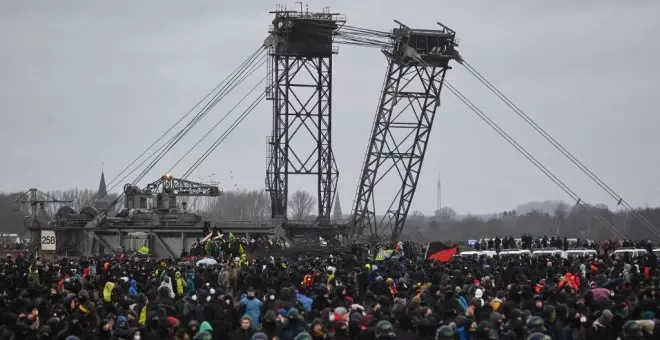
(214, 313)
(270, 325)
(252, 307)
(180, 284)
(206, 327)
(107, 292)
(167, 282)
(601, 328)
(121, 329)
(73, 328)
(294, 325)
(223, 280)
(132, 291)
(165, 301)
(246, 329)
(190, 284)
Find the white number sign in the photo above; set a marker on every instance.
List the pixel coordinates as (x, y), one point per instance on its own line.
(48, 240)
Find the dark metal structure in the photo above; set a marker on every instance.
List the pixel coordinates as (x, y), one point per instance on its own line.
(300, 87)
(165, 191)
(418, 61)
(37, 200)
(301, 48)
(155, 216)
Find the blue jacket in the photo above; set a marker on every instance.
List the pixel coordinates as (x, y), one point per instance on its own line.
(132, 291)
(190, 286)
(121, 319)
(462, 333)
(462, 302)
(252, 309)
(305, 301)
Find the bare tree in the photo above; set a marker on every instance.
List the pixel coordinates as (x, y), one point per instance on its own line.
(446, 213)
(302, 204)
(241, 205)
(79, 199)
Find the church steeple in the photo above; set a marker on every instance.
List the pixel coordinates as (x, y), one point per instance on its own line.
(102, 188)
(337, 215)
(102, 200)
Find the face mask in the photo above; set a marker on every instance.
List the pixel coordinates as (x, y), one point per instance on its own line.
(583, 319)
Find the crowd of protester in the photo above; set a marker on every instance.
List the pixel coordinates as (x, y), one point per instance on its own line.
(347, 296)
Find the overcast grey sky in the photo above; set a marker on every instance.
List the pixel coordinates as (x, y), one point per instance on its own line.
(91, 82)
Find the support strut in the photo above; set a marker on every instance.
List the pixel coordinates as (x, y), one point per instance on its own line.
(417, 64)
(301, 76)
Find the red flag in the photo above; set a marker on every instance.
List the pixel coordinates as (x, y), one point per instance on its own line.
(440, 252)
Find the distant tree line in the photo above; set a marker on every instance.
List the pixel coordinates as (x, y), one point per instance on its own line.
(445, 224)
(572, 222)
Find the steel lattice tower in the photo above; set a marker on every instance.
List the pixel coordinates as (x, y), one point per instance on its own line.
(418, 61)
(300, 87)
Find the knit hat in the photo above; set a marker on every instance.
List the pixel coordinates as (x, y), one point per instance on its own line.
(606, 317)
(206, 327)
(173, 321)
(445, 333)
(384, 329)
(245, 317)
(631, 328)
(303, 336)
(259, 336)
(203, 336)
(293, 314)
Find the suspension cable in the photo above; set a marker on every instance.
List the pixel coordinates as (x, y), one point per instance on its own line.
(350, 35)
(369, 38)
(483, 116)
(184, 116)
(559, 146)
(236, 79)
(243, 74)
(224, 135)
(527, 155)
(113, 182)
(218, 123)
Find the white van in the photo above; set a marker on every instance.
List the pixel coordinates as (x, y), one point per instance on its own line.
(581, 252)
(476, 254)
(471, 253)
(487, 253)
(633, 252)
(515, 252)
(546, 252)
